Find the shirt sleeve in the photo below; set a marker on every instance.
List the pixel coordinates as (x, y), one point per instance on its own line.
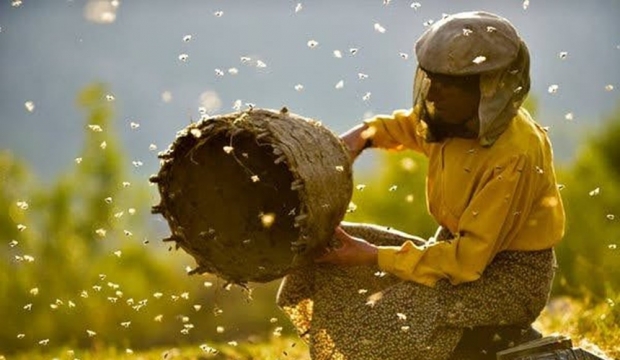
(493, 214)
(397, 131)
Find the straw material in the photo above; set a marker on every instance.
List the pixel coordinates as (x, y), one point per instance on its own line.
(252, 195)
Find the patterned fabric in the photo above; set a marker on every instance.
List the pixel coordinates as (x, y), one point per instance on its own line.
(362, 313)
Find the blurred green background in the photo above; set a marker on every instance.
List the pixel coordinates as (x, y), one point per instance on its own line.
(82, 268)
(81, 264)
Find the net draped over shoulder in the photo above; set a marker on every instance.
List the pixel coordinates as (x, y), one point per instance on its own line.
(363, 313)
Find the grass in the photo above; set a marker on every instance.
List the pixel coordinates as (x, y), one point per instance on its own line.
(284, 348)
(592, 326)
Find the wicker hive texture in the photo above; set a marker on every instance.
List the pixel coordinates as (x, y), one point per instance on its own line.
(251, 195)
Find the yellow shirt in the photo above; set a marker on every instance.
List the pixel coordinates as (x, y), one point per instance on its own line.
(502, 197)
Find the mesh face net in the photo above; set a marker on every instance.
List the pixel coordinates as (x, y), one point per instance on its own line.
(475, 43)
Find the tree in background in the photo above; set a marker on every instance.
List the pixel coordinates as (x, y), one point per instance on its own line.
(77, 269)
(589, 256)
(395, 198)
(58, 235)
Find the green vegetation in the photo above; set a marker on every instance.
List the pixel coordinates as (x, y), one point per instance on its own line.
(284, 348)
(592, 325)
(80, 267)
(590, 255)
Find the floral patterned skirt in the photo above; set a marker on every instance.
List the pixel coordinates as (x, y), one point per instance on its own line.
(363, 313)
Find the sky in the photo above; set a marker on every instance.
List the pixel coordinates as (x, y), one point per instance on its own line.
(165, 61)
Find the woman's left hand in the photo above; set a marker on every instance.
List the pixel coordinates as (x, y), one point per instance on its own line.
(352, 252)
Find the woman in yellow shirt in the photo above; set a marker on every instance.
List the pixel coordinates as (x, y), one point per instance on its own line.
(478, 284)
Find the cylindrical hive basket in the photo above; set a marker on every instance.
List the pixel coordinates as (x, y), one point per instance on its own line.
(251, 195)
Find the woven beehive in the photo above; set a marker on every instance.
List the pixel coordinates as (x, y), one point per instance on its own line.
(251, 195)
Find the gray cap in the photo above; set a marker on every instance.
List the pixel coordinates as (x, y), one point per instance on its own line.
(468, 43)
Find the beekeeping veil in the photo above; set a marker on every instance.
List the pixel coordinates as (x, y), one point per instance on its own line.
(476, 43)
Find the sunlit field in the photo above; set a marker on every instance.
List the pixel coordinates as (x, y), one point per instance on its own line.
(93, 91)
(594, 327)
(273, 348)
